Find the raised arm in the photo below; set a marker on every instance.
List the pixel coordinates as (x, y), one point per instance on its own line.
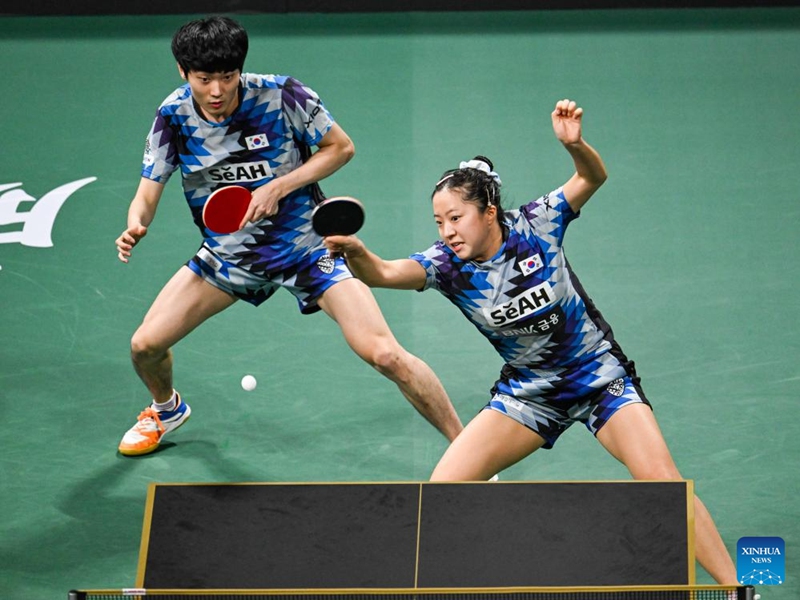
(401, 274)
(590, 172)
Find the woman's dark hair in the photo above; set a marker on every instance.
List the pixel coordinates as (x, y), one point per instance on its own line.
(481, 187)
(212, 45)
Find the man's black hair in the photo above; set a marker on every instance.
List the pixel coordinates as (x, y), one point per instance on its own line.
(213, 45)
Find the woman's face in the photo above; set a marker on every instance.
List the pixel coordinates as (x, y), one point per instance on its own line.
(468, 232)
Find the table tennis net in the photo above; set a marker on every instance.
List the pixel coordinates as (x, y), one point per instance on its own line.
(596, 593)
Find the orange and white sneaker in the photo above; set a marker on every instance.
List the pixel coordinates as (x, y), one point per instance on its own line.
(151, 427)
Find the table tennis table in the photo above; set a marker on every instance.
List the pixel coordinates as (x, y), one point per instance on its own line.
(417, 535)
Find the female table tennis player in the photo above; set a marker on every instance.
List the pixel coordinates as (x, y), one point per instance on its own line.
(507, 273)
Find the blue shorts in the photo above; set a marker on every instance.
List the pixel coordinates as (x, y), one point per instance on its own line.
(550, 420)
(306, 278)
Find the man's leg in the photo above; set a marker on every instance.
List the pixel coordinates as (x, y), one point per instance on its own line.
(184, 302)
(633, 437)
(351, 304)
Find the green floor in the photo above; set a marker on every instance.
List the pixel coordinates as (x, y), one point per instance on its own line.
(690, 250)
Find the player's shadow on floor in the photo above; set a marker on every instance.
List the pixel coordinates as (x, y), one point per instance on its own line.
(105, 513)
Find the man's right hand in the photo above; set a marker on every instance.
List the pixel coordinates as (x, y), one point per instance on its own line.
(128, 239)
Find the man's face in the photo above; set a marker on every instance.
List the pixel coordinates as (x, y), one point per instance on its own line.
(216, 94)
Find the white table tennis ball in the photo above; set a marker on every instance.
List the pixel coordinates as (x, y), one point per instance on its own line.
(249, 383)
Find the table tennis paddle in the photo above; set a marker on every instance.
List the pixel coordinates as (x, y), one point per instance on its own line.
(225, 208)
(340, 215)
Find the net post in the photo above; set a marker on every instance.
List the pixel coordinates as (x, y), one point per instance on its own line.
(747, 592)
(76, 595)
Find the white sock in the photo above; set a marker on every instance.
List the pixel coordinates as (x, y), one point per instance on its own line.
(169, 405)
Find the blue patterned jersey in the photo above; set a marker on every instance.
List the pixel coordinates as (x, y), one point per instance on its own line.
(529, 304)
(268, 135)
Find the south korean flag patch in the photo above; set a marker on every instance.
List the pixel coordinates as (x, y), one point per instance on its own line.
(530, 265)
(256, 142)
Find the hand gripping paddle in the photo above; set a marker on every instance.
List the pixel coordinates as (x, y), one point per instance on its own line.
(340, 215)
(225, 208)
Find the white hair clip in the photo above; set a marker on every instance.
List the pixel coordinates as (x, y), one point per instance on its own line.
(443, 179)
(481, 166)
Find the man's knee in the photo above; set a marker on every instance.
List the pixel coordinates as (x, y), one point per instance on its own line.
(144, 347)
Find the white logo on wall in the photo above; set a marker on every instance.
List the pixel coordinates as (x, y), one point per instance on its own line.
(37, 220)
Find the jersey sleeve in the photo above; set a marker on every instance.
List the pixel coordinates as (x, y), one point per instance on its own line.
(549, 216)
(307, 115)
(160, 158)
(431, 260)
